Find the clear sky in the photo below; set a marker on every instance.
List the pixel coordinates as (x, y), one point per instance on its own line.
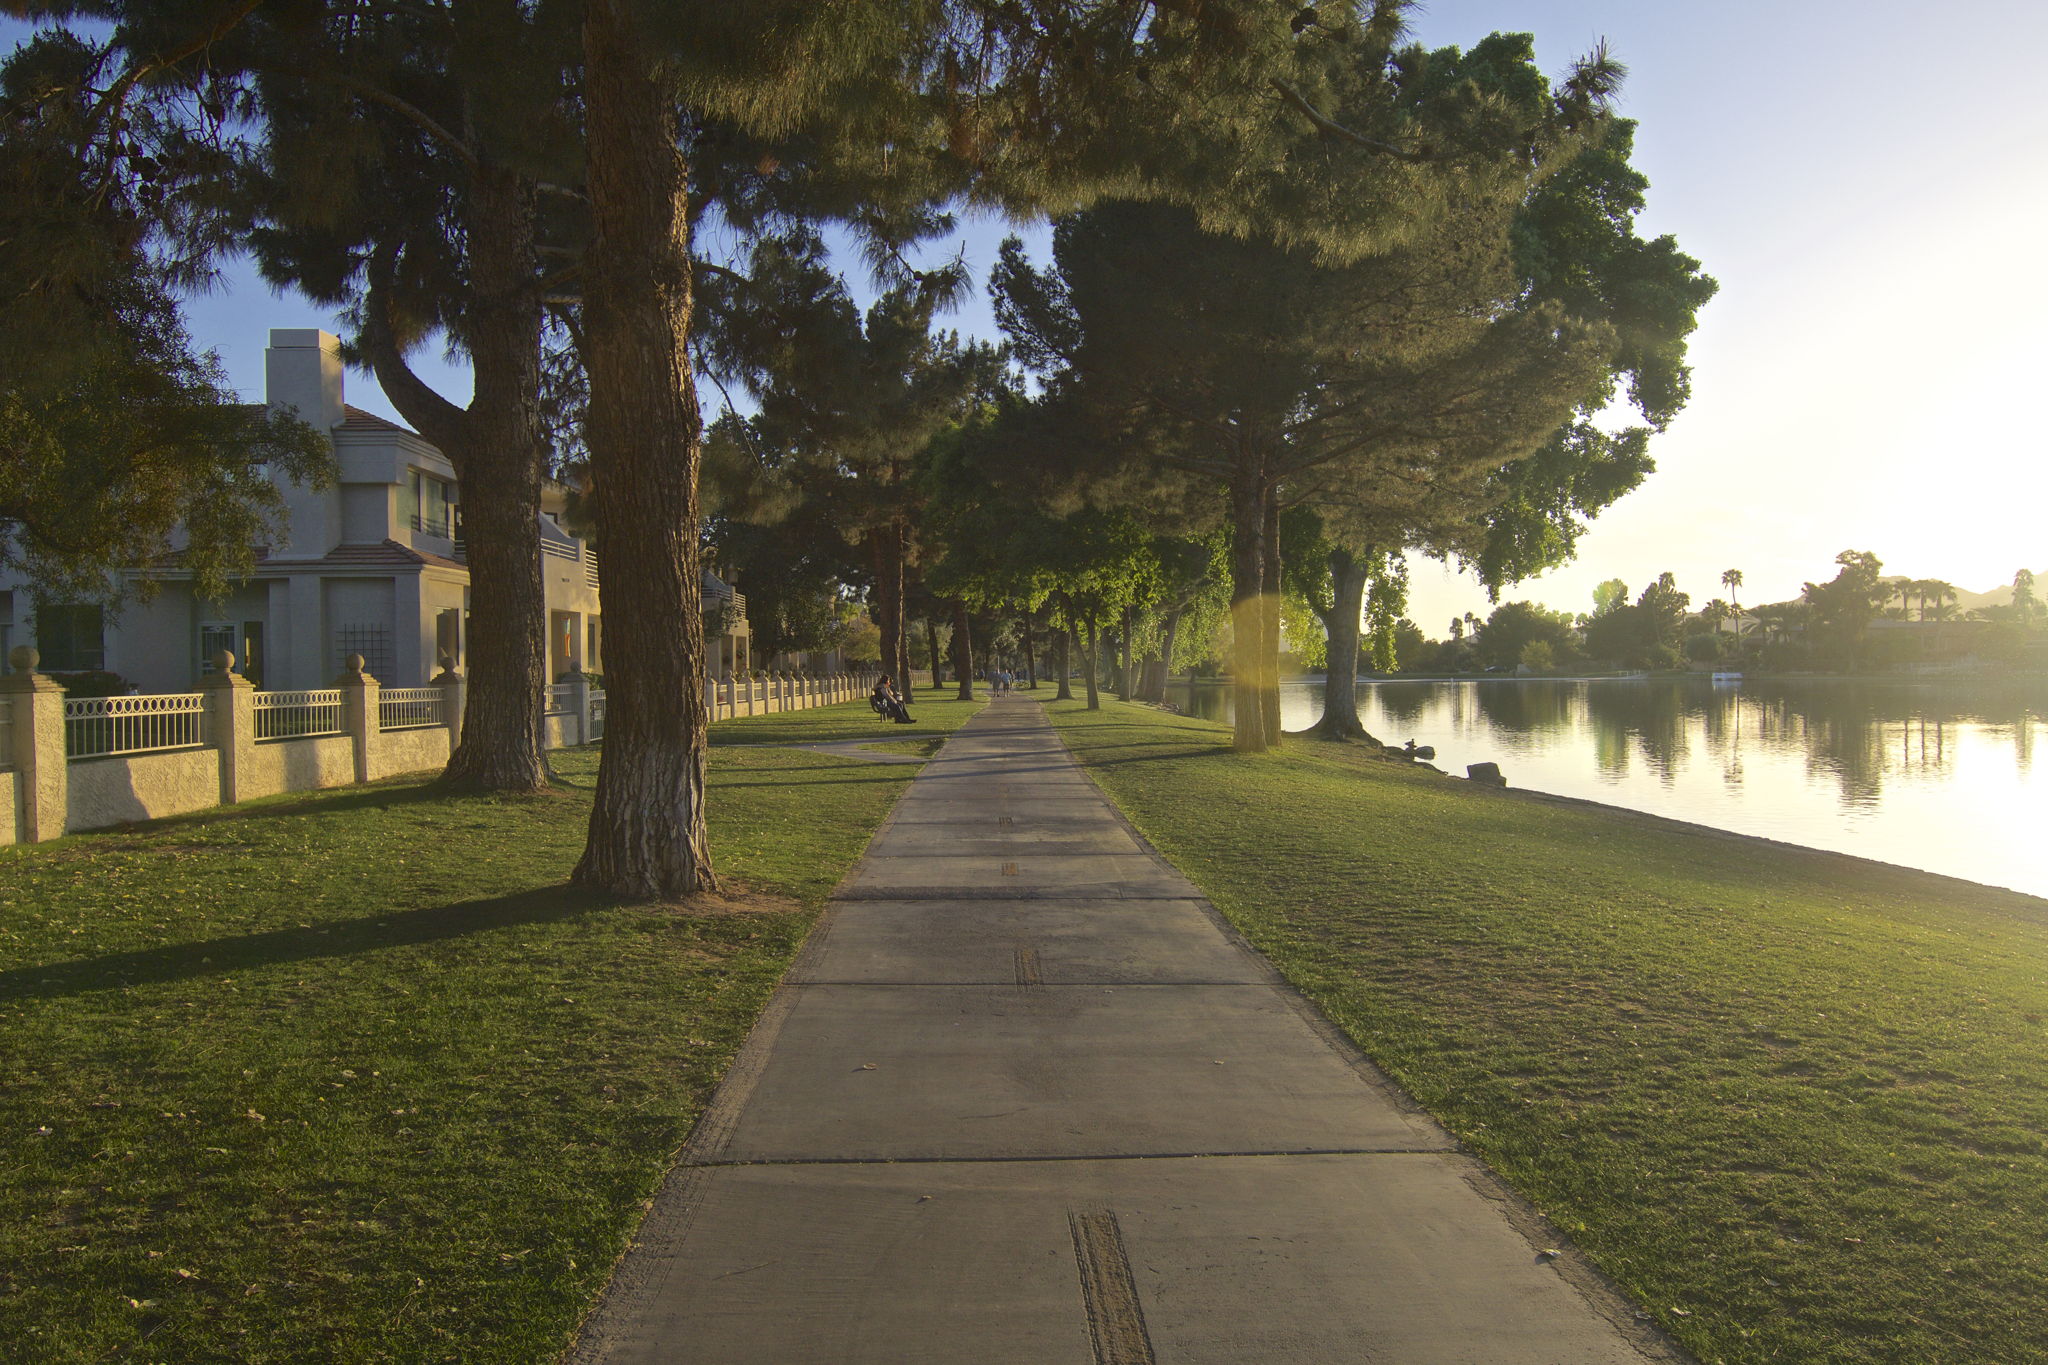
(1867, 180)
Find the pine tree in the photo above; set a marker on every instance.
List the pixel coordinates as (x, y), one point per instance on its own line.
(114, 434)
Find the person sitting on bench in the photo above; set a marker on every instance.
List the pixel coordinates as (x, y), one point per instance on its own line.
(887, 703)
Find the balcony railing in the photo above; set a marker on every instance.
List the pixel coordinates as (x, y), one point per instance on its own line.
(443, 527)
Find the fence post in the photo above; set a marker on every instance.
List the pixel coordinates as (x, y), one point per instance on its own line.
(454, 698)
(231, 713)
(360, 713)
(710, 696)
(37, 721)
(579, 702)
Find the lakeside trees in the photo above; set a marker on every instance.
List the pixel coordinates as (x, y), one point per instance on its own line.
(1420, 394)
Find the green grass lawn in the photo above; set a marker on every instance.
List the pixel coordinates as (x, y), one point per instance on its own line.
(1797, 1104)
(851, 721)
(351, 1076)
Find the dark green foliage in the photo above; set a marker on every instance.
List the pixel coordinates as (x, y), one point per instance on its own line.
(113, 433)
(1514, 626)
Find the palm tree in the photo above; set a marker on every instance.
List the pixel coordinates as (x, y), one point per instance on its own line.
(1942, 595)
(2024, 604)
(1919, 589)
(1731, 579)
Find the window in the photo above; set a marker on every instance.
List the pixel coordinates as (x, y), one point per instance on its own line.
(242, 639)
(448, 638)
(593, 654)
(428, 500)
(71, 638)
(215, 636)
(369, 639)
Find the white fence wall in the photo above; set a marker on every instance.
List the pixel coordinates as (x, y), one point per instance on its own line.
(87, 764)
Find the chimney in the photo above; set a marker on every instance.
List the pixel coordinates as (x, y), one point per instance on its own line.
(302, 370)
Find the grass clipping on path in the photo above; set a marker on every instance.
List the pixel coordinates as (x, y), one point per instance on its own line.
(1794, 1102)
(352, 1076)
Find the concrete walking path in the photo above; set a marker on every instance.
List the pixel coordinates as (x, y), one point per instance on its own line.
(1025, 1100)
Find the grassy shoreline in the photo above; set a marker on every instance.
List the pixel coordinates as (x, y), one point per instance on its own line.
(1793, 1101)
(353, 1076)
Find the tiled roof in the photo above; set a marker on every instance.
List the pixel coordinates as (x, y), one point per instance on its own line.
(355, 419)
(387, 552)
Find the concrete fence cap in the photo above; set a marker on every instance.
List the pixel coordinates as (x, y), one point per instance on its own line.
(25, 658)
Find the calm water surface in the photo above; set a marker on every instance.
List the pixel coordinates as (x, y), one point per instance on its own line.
(1934, 775)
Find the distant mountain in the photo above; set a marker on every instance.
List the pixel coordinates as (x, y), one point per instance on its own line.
(2000, 596)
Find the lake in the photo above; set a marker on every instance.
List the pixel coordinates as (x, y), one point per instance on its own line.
(1937, 775)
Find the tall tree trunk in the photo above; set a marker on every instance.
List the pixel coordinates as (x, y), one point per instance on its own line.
(496, 446)
(963, 651)
(1064, 648)
(647, 835)
(885, 549)
(1155, 689)
(1348, 573)
(1030, 657)
(902, 666)
(1247, 572)
(1125, 682)
(1269, 621)
(1088, 664)
(931, 646)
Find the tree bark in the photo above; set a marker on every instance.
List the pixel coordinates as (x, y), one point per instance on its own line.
(1030, 657)
(1269, 621)
(1125, 682)
(1063, 640)
(1089, 666)
(1348, 573)
(647, 835)
(902, 664)
(1247, 589)
(1155, 686)
(885, 549)
(963, 651)
(496, 446)
(931, 646)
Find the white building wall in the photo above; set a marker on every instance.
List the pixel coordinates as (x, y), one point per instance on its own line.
(361, 619)
(302, 371)
(153, 645)
(298, 653)
(369, 513)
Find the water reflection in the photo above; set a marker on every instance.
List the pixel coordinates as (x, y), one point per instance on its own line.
(1934, 774)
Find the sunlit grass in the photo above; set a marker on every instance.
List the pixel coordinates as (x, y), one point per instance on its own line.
(854, 720)
(1794, 1102)
(353, 1077)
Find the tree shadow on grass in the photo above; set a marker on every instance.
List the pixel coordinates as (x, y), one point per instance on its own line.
(406, 791)
(302, 943)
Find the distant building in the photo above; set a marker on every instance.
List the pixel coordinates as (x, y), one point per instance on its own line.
(373, 566)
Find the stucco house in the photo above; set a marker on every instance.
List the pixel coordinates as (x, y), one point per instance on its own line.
(373, 566)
